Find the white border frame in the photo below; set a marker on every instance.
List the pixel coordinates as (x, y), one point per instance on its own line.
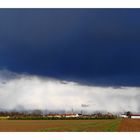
(69, 4)
(70, 136)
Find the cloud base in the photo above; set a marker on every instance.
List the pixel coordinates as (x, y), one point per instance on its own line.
(29, 92)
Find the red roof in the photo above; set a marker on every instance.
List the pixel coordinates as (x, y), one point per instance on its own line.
(69, 114)
(135, 114)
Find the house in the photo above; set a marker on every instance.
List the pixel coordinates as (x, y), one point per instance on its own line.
(135, 116)
(63, 115)
(70, 115)
(123, 116)
(54, 115)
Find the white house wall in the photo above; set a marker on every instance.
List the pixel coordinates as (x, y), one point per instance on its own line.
(135, 117)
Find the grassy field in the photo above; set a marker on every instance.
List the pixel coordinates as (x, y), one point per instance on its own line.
(110, 125)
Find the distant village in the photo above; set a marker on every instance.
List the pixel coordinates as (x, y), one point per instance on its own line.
(37, 114)
(40, 115)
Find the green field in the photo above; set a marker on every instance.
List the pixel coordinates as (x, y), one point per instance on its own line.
(110, 125)
(85, 126)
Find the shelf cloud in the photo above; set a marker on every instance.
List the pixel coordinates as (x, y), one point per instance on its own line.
(26, 92)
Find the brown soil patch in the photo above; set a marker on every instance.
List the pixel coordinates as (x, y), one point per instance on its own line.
(130, 125)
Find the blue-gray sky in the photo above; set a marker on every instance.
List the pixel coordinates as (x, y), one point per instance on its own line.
(94, 46)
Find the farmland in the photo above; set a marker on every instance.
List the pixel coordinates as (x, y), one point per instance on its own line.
(130, 125)
(104, 125)
(59, 125)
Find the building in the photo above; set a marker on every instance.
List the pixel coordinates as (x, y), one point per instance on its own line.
(135, 116)
(63, 115)
(54, 115)
(123, 116)
(70, 115)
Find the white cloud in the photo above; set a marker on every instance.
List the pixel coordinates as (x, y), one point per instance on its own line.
(34, 92)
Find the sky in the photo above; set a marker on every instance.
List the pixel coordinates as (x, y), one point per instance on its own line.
(94, 48)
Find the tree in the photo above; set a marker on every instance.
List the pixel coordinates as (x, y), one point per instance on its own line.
(37, 112)
(128, 113)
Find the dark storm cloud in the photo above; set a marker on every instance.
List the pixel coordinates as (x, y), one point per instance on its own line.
(94, 46)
